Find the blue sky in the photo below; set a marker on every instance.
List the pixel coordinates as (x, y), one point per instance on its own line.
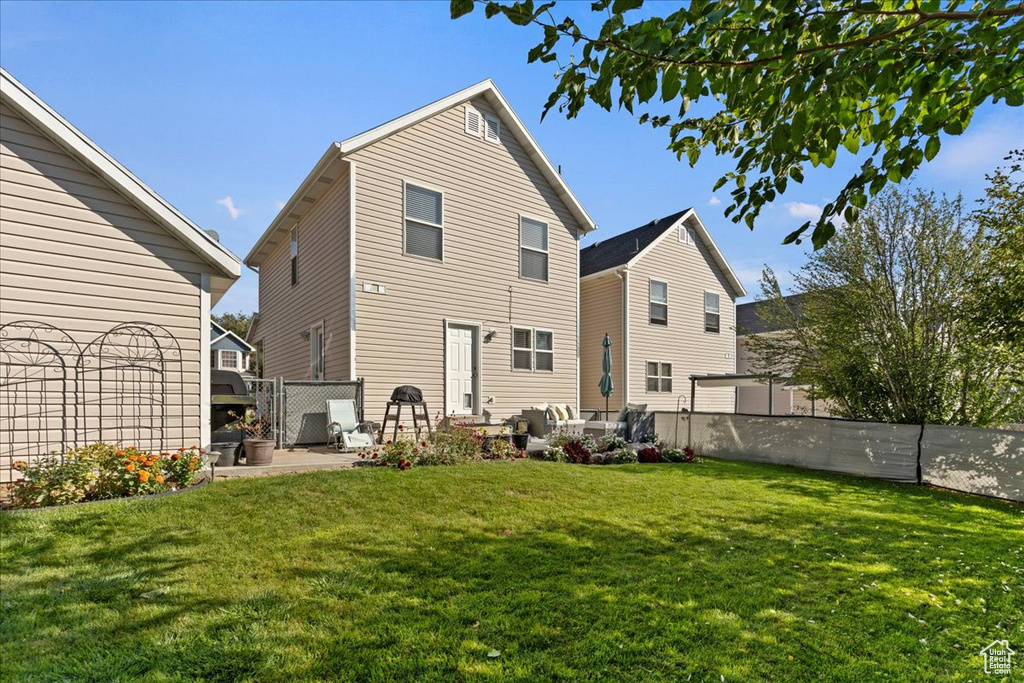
(208, 101)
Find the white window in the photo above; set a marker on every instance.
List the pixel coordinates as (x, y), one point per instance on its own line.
(533, 349)
(712, 312)
(293, 250)
(316, 352)
(474, 122)
(685, 235)
(492, 129)
(544, 351)
(229, 360)
(424, 213)
(533, 249)
(659, 303)
(659, 377)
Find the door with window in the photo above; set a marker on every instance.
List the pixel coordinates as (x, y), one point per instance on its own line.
(460, 370)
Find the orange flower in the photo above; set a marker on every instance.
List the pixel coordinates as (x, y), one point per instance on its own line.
(143, 476)
(176, 456)
(190, 467)
(130, 467)
(165, 454)
(160, 478)
(181, 450)
(202, 452)
(119, 453)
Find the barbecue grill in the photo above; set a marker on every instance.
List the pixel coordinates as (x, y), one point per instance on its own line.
(229, 399)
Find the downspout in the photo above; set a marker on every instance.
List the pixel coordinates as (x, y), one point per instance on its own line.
(624, 276)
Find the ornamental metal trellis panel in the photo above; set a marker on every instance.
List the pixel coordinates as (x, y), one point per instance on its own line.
(127, 385)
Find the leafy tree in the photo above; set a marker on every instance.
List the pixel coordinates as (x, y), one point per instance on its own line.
(885, 330)
(790, 82)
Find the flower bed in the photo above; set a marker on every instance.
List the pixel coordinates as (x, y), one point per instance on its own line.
(453, 443)
(103, 471)
(610, 450)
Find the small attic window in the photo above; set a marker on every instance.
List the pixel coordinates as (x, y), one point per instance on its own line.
(492, 129)
(686, 234)
(474, 122)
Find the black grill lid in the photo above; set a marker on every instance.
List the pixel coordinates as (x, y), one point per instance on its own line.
(407, 394)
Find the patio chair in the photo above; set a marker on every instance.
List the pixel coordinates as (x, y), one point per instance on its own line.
(343, 428)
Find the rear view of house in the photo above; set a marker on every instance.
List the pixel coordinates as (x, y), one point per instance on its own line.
(438, 250)
(105, 294)
(666, 297)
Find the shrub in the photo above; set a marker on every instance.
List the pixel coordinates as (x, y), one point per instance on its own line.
(621, 456)
(562, 437)
(677, 455)
(612, 443)
(503, 450)
(453, 443)
(553, 454)
(577, 453)
(103, 470)
(400, 454)
(648, 454)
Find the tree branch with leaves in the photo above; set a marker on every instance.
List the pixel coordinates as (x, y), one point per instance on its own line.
(791, 83)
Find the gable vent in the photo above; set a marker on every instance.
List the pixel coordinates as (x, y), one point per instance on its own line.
(474, 122)
(492, 129)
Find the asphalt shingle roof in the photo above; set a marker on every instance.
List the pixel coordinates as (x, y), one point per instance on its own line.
(618, 250)
(749, 322)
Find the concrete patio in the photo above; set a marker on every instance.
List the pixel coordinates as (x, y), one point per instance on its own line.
(287, 460)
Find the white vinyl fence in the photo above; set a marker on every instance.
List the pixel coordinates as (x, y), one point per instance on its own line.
(983, 461)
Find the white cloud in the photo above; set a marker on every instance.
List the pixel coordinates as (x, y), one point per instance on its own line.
(979, 150)
(714, 201)
(229, 204)
(803, 210)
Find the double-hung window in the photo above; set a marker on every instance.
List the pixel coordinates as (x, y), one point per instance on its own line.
(533, 249)
(659, 303)
(424, 231)
(533, 349)
(229, 360)
(712, 312)
(293, 250)
(659, 377)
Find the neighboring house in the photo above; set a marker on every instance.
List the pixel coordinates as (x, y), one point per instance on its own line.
(438, 250)
(229, 351)
(786, 399)
(105, 295)
(665, 295)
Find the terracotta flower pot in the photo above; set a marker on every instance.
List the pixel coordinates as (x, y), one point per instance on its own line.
(259, 451)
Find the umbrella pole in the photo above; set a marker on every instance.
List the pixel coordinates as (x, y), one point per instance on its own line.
(606, 409)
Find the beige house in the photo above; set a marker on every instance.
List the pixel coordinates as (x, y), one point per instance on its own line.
(665, 295)
(753, 400)
(105, 295)
(438, 250)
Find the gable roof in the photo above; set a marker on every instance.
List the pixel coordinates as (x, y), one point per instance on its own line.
(227, 338)
(75, 143)
(338, 150)
(749, 322)
(629, 247)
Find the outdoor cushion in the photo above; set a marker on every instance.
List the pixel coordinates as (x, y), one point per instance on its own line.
(631, 408)
(560, 412)
(550, 414)
(570, 414)
(541, 407)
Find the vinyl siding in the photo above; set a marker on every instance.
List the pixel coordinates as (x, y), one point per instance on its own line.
(600, 312)
(77, 255)
(400, 334)
(322, 292)
(689, 270)
(754, 400)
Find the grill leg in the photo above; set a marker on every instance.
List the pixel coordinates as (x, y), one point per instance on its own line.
(426, 416)
(398, 420)
(415, 421)
(384, 424)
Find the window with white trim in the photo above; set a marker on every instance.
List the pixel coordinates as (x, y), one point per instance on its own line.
(712, 312)
(424, 215)
(659, 377)
(474, 122)
(229, 360)
(492, 129)
(533, 249)
(293, 251)
(522, 348)
(686, 234)
(316, 352)
(658, 300)
(533, 350)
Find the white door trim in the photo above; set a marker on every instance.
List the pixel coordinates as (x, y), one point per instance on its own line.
(477, 361)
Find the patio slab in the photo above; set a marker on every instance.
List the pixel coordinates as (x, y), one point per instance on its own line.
(287, 460)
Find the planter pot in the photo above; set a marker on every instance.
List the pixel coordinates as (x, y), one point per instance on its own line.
(520, 441)
(259, 451)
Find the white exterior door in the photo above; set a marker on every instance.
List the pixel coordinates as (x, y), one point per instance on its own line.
(460, 370)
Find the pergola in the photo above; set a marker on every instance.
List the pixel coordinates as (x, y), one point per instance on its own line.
(732, 380)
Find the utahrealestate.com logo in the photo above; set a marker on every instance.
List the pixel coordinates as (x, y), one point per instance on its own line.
(997, 657)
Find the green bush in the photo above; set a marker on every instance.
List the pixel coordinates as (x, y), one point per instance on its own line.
(612, 442)
(553, 454)
(103, 470)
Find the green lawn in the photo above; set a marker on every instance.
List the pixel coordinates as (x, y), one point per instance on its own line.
(518, 571)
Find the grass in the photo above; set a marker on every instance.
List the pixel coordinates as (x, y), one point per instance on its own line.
(518, 571)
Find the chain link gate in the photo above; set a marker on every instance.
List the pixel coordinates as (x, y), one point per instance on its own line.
(302, 409)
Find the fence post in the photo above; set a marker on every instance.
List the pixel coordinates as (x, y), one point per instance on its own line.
(920, 438)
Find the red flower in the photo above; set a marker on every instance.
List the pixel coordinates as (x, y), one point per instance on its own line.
(423, 443)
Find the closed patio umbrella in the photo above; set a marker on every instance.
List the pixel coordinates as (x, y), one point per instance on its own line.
(607, 386)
